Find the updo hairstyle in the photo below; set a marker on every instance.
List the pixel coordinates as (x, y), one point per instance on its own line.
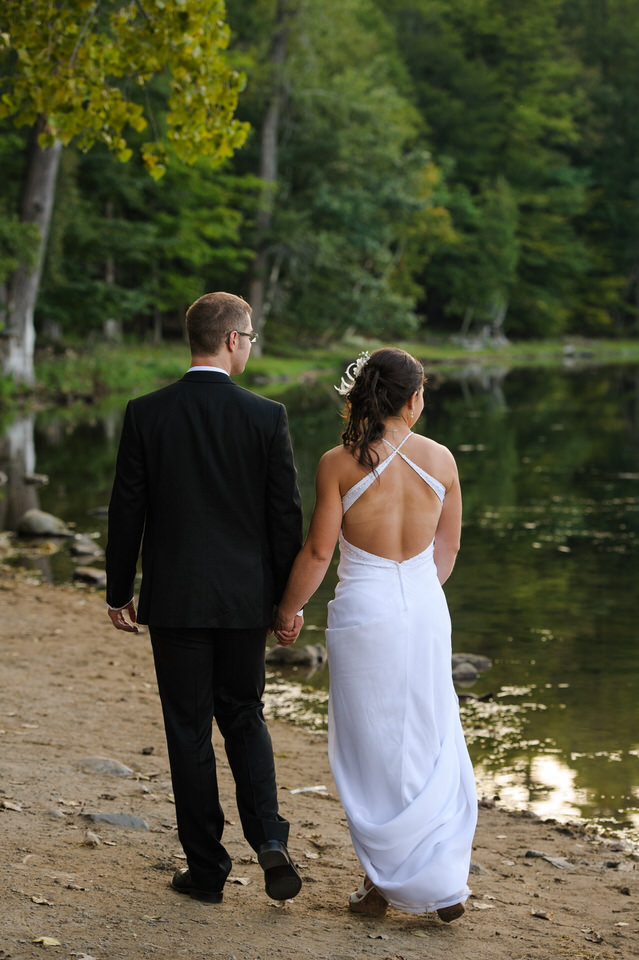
(382, 387)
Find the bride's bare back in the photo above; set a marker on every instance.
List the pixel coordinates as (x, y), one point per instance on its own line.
(398, 514)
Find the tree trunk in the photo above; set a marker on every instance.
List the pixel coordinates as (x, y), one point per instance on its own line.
(22, 291)
(268, 169)
(17, 458)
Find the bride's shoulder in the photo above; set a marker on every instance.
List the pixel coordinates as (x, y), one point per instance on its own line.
(338, 462)
(432, 446)
(334, 459)
(437, 457)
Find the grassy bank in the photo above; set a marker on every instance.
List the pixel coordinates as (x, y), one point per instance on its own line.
(82, 374)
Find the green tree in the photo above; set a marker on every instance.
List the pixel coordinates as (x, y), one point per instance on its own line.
(606, 36)
(497, 86)
(80, 71)
(134, 251)
(352, 199)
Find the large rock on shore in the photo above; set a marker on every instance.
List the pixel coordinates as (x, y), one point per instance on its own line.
(37, 523)
(468, 666)
(309, 656)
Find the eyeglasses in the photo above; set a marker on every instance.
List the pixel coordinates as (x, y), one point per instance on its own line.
(252, 335)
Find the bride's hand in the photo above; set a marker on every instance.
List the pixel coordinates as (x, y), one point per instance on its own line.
(286, 627)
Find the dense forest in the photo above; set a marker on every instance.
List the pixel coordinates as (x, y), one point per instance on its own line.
(384, 167)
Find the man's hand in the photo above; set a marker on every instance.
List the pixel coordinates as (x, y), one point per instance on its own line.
(119, 620)
(287, 629)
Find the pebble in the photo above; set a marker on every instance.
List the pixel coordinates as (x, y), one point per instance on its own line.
(105, 765)
(90, 575)
(84, 546)
(127, 820)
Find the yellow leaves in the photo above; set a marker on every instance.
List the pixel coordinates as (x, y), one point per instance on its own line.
(42, 941)
(69, 68)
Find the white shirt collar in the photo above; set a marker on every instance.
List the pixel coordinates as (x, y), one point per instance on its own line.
(209, 369)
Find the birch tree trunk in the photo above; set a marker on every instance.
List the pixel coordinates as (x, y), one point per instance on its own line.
(268, 169)
(18, 337)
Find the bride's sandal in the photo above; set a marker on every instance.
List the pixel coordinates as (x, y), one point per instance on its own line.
(448, 914)
(367, 901)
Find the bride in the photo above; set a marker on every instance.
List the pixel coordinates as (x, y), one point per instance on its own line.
(396, 746)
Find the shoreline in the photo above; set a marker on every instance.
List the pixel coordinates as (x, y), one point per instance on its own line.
(73, 688)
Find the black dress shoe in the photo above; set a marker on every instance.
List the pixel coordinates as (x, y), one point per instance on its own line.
(281, 879)
(183, 883)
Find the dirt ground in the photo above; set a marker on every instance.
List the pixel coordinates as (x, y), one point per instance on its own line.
(73, 688)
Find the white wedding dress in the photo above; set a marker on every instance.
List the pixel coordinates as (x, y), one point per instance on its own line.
(396, 746)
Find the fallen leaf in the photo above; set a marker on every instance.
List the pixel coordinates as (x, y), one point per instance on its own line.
(243, 880)
(318, 789)
(10, 805)
(483, 906)
(541, 914)
(41, 900)
(47, 941)
(310, 855)
(421, 933)
(110, 843)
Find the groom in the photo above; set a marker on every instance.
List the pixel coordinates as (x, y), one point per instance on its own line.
(205, 471)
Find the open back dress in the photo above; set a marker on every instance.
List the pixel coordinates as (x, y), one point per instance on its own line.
(396, 746)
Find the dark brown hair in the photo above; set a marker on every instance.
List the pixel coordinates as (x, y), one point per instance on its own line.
(211, 318)
(389, 378)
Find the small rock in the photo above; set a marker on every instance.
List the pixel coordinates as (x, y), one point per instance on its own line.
(478, 661)
(55, 814)
(127, 820)
(104, 765)
(308, 656)
(36, 479)
(91, 839)
(560, 862)
(625, 891)
(147, 751)
(37, 523)
(84, 546)
(90, 575)
(465, 672)
(476, 868)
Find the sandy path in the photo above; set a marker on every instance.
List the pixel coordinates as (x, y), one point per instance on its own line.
(72, 688)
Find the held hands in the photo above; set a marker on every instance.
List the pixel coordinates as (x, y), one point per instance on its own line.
(286, 627)
(119, 620)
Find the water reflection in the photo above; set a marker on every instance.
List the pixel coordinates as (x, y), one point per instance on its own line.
(545, 584)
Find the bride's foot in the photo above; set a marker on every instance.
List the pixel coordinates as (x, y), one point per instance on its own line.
(367, 901)
(448, 914)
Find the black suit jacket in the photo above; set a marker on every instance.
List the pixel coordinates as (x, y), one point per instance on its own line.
(205, 479)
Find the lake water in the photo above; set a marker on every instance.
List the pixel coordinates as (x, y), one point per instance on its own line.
(546, 583)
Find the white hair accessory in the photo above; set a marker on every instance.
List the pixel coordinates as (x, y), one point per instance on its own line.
(352, 372)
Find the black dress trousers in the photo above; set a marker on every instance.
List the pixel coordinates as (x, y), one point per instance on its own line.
(216, 673)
